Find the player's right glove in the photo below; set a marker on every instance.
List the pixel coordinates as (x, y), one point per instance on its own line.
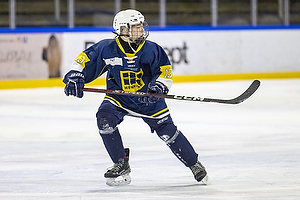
(74, 81)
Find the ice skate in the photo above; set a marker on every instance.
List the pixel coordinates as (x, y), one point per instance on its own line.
(118, 174)
(200, 173)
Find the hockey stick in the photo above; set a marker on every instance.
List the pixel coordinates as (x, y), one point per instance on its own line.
(250, 90)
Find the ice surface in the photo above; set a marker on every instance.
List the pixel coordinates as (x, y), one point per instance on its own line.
(50, 147)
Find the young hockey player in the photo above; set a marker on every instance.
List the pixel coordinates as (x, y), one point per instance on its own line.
(134, 64)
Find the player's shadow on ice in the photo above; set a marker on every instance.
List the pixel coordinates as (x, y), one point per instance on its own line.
(144, 188)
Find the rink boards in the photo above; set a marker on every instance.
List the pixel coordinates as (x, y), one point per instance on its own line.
(39, 57)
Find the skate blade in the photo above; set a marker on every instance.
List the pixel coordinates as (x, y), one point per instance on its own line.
(205, 180)
(119, 181)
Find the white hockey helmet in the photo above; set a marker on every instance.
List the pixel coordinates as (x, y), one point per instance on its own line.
(128, 18)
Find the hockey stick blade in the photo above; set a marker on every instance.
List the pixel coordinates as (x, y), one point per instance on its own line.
(251, 89)
(245, 95)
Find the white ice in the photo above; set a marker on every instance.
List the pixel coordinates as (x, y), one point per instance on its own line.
(50, 147)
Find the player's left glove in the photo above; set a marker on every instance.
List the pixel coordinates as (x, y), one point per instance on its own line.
(154, 87)
(74, 81)
(157, 87)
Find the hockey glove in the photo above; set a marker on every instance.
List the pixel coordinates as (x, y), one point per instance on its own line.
(157, 87)
(74, 81)
(154, 87)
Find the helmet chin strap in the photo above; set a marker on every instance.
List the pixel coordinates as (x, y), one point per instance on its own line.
(128, 40)
(131, 47)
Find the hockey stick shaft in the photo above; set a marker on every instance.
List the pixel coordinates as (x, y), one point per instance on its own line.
(250, 90)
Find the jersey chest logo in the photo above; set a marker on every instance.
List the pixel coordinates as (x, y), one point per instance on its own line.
(132, 81)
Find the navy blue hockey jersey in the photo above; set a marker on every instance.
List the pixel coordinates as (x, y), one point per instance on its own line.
(128, 72)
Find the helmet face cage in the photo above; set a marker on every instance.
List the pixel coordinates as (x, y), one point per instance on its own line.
(128, 19)
(142, 36)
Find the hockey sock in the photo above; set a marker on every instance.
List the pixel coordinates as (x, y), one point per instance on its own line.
(114, 145)
(174, 138)
(182, 148)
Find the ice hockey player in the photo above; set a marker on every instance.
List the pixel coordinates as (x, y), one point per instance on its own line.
(134, 64)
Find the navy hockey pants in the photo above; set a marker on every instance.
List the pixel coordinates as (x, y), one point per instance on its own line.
(109, 116)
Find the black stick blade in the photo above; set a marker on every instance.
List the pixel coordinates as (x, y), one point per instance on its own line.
(251, 89)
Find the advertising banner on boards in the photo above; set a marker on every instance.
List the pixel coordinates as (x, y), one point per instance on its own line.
(197, 52)
(30, 56)
(211, 52)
